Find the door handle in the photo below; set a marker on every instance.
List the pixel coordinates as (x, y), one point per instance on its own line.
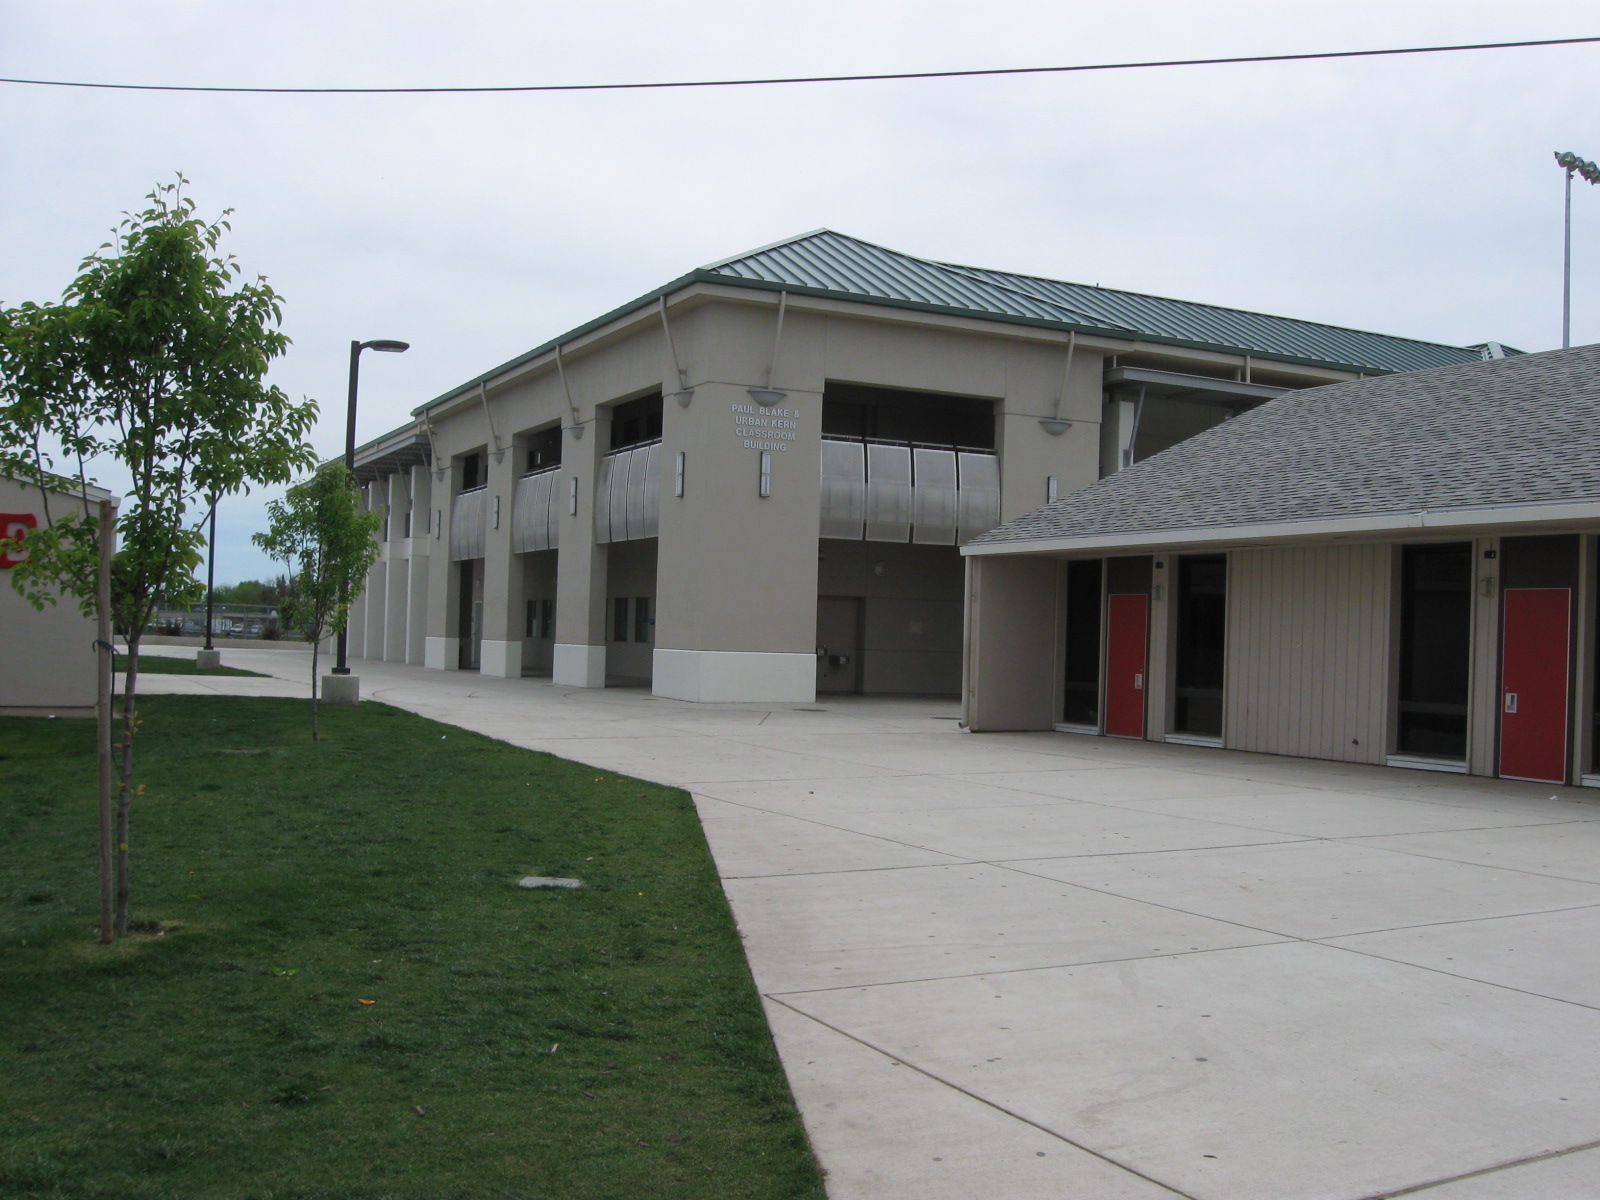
(1511, 702)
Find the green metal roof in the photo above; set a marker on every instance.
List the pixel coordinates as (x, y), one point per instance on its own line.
(825, 263)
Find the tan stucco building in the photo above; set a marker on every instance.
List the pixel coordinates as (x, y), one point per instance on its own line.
(47, 656)
(754, 482)
(1398, 570)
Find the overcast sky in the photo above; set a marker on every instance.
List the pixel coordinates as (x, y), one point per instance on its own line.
(1411, 195)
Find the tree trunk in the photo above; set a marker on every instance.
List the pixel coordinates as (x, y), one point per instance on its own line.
(102, 713)
(316, 645)
(130, 723)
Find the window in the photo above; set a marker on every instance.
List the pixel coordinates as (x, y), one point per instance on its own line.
(856, 411)
(1081, 701)
(407, 524)
(547, 618)
(1435, 640)
(636, 421)
(472, 472)
(641, 619)
(619, 619)
(1202, 624)
(544, 449)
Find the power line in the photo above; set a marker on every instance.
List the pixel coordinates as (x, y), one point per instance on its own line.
(713, 83)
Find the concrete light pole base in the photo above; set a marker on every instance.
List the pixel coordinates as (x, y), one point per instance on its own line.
(341, 689)
(208, 660)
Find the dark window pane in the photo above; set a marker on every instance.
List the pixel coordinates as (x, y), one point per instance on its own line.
(1202, 627)
(857, 411)
(1435, 638)
(544, 448)
(1081, 702)
(636, 421)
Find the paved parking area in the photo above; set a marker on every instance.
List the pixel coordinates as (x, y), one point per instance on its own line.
(1031, 966)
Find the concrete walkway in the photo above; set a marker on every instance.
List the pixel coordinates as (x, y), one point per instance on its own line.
(1037, 966)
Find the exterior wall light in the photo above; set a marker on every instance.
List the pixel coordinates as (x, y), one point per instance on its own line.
(677, 475)
(1054, 426)
(1052, 489)
(572, 496)
(683, 397)
(766, 473)
(767, 397)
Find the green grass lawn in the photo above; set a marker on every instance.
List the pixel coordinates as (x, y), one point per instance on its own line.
(600, 1042)
(151, 664)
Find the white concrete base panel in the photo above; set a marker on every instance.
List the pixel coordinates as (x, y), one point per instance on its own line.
(441, 654)
(579, 666)
(208, 660)
(503, 660)
(341, 689)
(730, 676)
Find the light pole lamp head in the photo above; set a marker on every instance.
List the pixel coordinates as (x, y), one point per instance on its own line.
(387, 346)
(1572, 164)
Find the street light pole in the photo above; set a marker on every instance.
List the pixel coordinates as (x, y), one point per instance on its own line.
(211, 572)
(383, 346)
(1571, 164)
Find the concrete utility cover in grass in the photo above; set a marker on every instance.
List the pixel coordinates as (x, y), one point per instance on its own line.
(546, 881)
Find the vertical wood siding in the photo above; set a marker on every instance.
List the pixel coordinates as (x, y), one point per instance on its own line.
(1308, 647)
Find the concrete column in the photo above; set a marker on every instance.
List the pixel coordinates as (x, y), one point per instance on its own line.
(736, 581)
(580, 647)
(502, 572)
(1161, 665)
(418, 551)
(1116, 435)
(376, 604)
(442, 646)
(355, 626)
(1483, 697)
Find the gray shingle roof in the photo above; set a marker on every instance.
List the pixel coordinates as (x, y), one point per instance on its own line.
(1519, 430)
(829, 263)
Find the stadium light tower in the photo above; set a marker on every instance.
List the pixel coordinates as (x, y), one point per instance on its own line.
(1572, 165)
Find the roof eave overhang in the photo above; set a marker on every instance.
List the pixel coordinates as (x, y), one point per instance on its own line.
(703, 275)
(1115, 332)
(1373, 526)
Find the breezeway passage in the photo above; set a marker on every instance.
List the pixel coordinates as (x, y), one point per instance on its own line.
(1045, 965)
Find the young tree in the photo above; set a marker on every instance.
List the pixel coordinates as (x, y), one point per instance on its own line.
(155, 361)
(327, 540)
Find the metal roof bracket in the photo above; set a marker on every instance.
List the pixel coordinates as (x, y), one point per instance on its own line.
(1055, 425)
(433, 447)
(566, 389)
(777, 339)
(483, 395)
(685, 393)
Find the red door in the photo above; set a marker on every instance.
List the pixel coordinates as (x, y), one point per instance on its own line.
(1127, 623)
(1535, 663)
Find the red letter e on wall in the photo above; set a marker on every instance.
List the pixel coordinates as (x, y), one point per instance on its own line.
(15, 526)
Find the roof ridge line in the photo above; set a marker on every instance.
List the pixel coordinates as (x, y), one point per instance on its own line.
(788, 241)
